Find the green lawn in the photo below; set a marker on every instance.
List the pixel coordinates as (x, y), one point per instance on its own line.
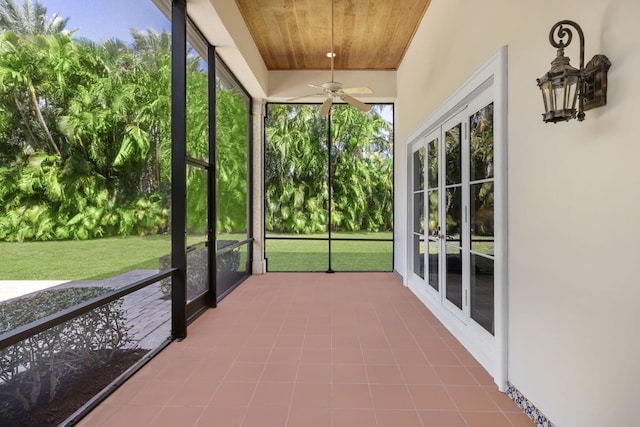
(312, 255)
(102, 258)
(82, 259)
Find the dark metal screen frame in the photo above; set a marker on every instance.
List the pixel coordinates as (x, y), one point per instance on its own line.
(212, 301)
(204, 301)
(223, 73)
(329, 238)
(178, 167)
(26, 331)
(181, 313)
(184, 312)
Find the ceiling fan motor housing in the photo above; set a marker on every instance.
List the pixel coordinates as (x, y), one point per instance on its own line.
(332, 86)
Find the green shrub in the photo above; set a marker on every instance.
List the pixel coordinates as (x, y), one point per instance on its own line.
(32, 369)
(197, 267)
(45, 198)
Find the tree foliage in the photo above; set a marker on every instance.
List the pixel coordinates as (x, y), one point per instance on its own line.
(297, 170)
(296, 190)
(232, 160)
(30, 17)
(85, 146)
(80, 129)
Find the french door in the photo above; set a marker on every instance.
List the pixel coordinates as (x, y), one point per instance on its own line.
(457, 215)
(453, 214)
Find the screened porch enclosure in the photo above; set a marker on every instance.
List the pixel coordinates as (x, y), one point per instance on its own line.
(190, 181)
(344, 161)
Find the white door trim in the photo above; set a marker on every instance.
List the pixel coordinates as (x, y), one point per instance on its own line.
(490, 351)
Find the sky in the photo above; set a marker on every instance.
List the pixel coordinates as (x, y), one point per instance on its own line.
(99, 20)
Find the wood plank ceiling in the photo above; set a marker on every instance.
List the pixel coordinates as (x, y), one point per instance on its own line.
(368, 34)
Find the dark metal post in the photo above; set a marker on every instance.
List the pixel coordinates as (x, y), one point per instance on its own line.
(329, 182)
(250, 172)
(178, 167)
(263, 188)
(212, 175)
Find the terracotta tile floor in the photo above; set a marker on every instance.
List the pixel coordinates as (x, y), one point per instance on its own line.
(287, 349)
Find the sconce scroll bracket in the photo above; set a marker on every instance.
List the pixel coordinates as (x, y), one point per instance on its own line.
(594, 90)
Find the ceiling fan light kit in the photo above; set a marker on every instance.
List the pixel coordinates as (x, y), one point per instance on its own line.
(334, 91)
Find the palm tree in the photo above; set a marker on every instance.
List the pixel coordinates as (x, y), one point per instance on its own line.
(232, 138)
(295, 170)
(22, 75)
(150, 40)
(30, 18)
(151, 55)
(296, 163)
(77, 123)
(362, 169)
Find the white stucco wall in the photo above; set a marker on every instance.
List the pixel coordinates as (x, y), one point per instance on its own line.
(574, 197)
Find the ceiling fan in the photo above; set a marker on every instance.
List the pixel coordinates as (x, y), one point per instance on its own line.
(334, 91)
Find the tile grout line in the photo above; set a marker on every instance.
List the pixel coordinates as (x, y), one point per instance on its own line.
(255, 388)
(446, 389)
(366, 373)
(404, 380)
(295, 378)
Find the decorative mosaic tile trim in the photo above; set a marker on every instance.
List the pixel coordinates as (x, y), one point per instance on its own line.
(529, 408)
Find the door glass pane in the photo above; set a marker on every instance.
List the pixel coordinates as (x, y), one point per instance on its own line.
(454, 215)
(434, 261)
(418, 170)
(418, 213)
(453, 155)
(482, 298)
(432, 172)
(481, 150)
(454, 275)
(482, 235)
(418, 255)
(434, 224)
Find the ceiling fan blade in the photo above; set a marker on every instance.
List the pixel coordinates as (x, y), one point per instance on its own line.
(304, 96)
(359, 105)
(326, 106)
(316, 86)
(358, 90)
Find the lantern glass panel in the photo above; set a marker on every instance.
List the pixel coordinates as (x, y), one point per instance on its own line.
(547, 96)
(570, 92)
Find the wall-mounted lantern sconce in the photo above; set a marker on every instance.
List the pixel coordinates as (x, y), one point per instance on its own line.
(563, 84)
